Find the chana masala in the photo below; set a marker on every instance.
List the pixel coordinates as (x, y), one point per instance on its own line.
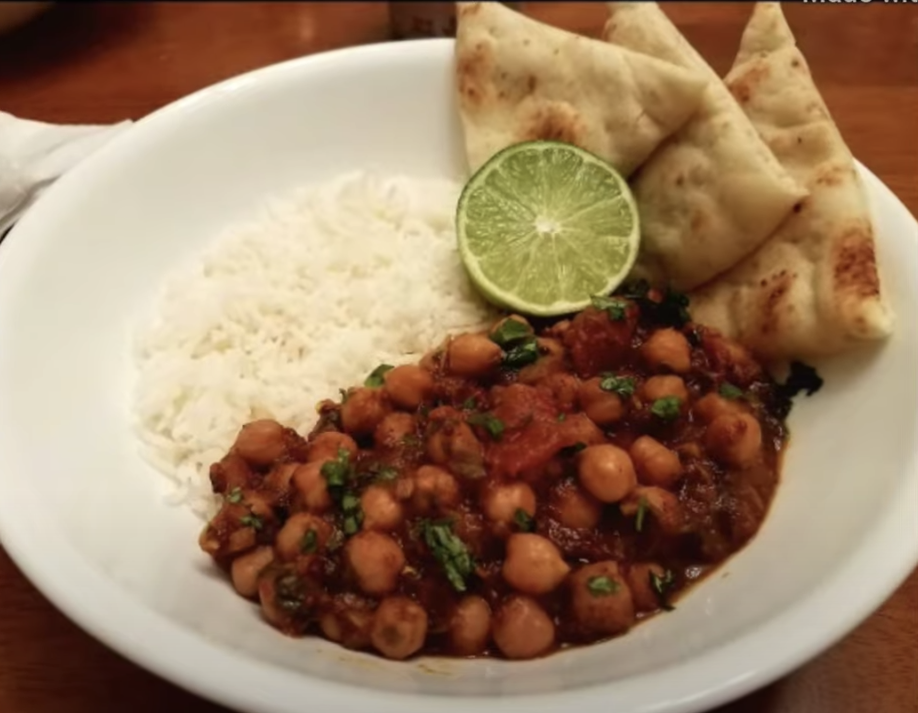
(517, 491)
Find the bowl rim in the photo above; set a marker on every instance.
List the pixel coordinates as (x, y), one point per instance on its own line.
(233, 679)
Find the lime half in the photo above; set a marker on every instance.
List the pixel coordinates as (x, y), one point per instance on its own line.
(545, 225)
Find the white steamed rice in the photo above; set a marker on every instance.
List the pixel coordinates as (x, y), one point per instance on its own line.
(280, 313)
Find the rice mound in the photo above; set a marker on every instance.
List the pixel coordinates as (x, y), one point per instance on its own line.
(280, 313)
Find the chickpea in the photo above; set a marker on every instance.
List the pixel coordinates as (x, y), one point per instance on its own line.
(577, 428)
(288, 598)
(261, 443)
(376, 561)
(394, 428)
(230, 473)
(454, 444)
(437, 446)
(668, 349)
(348, 621)
(501, 501)
(381, 508)
(472, 355)
(470, 626)
(278, 479)
(404, 487)
(399, 628)
(602, 407)
(311, 487)
(533, 564)
(245, 570)
(294, 539)
(434, 489)
(522, 629)
(639, 581)
(606, 472)
(601, 599)
(328, 444)
(409, 386)
(659, 387)
(661, 505)
(363, 409)
(734, 439)
(655, 463)
(576, 509)
(444, 414)
(712, 405)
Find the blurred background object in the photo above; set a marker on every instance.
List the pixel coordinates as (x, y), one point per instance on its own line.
(426, 19)
(14, 14)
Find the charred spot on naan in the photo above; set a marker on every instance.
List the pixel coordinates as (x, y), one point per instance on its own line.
(472, 69)
(855, 265)
(773, 305)
(747, 85)
(833, 174)
(556, 121)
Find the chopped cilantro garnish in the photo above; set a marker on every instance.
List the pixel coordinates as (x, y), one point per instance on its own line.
(252, 521)
(337, 472)
(641, 514)
(353, 514)
(387, 472)
(450, 552)
(561, 417)
(615, 307)
(493, 425)
(470, 404)
(309, 543)
(621, 385)
(518, 356)
(667, 408)
(729, 391)
(602, 586)
(523, 520)
(509, 332)
(352, 523)
(234, 496)
(375, 379)
(661, 586)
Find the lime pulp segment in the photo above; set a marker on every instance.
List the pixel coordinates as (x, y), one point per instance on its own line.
(544, 225)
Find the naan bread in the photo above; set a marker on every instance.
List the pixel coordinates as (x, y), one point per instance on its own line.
(812, 289)
(714, 191)
(520, 80)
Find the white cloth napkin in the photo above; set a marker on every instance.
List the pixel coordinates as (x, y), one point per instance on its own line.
(33, 155)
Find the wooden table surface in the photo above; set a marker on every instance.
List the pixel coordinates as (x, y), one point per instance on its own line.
(106, 62)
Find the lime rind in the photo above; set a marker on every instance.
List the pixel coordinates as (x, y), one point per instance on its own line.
(544, 225)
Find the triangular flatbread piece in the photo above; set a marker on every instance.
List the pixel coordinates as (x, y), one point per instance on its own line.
(521, 80)
(714, 191)
(813, 288)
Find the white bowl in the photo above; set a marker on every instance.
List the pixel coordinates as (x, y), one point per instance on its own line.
(87, 521)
